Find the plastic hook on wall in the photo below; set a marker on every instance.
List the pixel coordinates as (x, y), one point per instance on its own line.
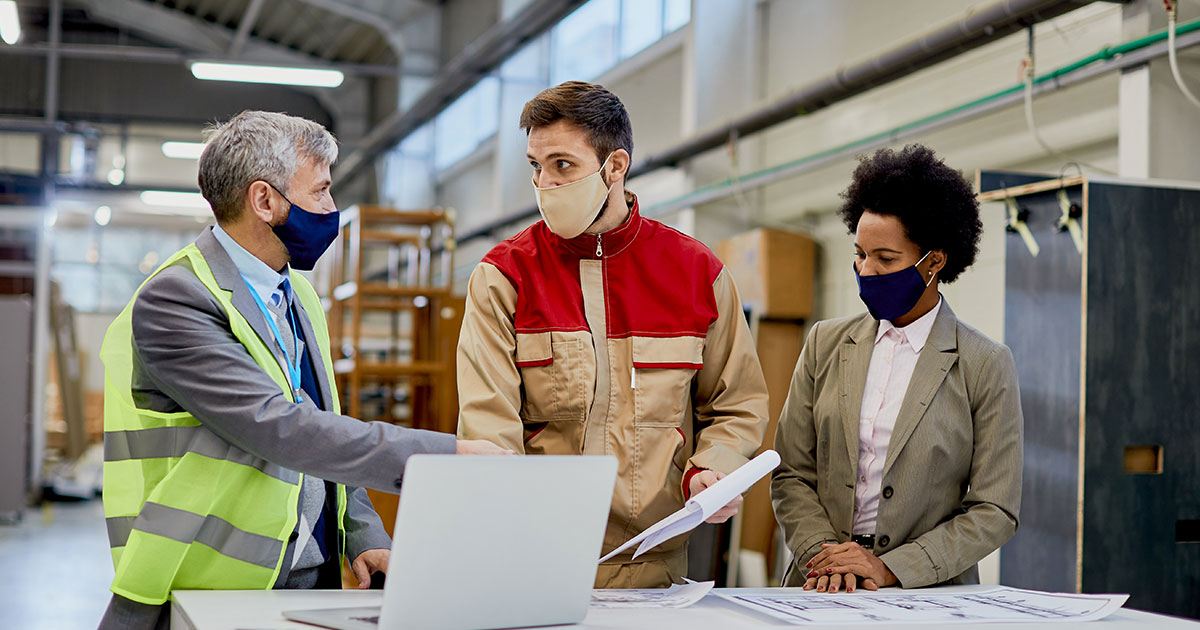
(1017, 218)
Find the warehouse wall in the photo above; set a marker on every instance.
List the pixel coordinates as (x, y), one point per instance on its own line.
(750, 52)
(737, 54)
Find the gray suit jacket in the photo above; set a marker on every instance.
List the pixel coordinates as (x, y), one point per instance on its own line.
(186, 358)
(952, 476)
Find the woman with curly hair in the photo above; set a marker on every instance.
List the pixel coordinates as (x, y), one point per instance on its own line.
(901, 435)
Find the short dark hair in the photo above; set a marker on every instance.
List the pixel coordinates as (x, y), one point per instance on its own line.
(934, 203)
(588, 105)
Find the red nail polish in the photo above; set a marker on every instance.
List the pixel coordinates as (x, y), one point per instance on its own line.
(829, 570)
(808, 566)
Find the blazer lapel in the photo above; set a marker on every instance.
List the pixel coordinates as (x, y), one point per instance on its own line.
(226, 273)
(937, 357)
(855, 359)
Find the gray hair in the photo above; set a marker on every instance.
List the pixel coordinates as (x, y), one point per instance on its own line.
(256, 146)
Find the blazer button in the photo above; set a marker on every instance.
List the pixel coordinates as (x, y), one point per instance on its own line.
(884, 541)
(397, 483)
(887, 492)
(292, 538)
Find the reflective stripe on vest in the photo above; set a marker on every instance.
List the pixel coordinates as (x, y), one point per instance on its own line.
(179, 441)
(186, 527)
(184, 508)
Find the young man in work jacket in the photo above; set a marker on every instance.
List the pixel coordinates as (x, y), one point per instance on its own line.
(598, 331)
(226, 460)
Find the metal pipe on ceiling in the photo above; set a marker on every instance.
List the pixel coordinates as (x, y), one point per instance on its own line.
(1074, 74)
(1126, 56)
(972, 30)
(155, 54)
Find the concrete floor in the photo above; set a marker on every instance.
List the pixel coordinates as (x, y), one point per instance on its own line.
(55, 568)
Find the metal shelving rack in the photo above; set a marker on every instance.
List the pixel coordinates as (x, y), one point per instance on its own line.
(393, 318)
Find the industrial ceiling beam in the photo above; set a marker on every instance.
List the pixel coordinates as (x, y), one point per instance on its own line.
(479, 58)
(381, 23)
(249, 17)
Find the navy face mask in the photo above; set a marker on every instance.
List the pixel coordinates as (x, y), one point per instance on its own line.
(891, 295)
(306, 235)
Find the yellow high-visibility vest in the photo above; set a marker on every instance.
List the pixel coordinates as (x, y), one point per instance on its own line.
(184, 508)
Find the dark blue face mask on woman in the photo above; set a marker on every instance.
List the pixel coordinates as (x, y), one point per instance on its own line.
(891, 295)
(306, 235)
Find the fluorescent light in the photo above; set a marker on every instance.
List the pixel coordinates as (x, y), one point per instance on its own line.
(183, 150)
(176, 199)
(10, 25)
(315, 77)
(103, 215)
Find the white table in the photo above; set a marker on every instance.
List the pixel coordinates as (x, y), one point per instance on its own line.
(261, 610)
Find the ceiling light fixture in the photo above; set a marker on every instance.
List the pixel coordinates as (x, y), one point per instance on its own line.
(103, 215)
(280, 75)
(183, 150)
(172, 198)
(10, 25)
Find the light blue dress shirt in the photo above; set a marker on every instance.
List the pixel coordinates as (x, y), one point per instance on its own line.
(264, 280)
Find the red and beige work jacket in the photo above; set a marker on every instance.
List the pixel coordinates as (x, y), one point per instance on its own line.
(629, 343)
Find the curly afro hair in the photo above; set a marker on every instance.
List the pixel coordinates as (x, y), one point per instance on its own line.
(934, 203)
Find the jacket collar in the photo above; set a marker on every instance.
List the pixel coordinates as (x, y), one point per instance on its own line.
(226, 273)
(917, 333)
(612, 242)
(943, 335)
(261, 277)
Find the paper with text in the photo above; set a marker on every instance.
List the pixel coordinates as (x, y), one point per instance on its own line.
(1000, 604)
(678, 596)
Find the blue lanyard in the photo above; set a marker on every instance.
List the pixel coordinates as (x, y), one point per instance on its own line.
(293, 367)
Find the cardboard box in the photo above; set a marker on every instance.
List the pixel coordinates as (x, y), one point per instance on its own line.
(773, 271)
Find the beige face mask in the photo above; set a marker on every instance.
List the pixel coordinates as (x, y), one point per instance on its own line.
(571, 208)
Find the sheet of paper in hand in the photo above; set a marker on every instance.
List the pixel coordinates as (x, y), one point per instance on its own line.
(703, 505)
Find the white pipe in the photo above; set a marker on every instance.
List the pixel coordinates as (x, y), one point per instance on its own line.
(1172, 55)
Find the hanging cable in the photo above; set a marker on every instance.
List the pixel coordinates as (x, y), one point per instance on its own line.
(1027, 74)
(1173, 55)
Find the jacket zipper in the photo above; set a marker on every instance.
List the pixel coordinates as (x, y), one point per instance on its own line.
(599, 248)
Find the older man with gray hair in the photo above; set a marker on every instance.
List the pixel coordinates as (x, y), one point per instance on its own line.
(227, 462)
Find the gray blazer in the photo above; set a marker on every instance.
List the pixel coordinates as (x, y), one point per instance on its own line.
(186, 358)
(952, 476)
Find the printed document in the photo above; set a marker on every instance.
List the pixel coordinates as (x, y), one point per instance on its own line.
(678, 596)
(1000, 604)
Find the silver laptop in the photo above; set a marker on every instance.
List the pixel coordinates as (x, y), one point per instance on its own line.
(484, 542)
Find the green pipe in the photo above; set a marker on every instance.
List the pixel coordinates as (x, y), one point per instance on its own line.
(1104, 54)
